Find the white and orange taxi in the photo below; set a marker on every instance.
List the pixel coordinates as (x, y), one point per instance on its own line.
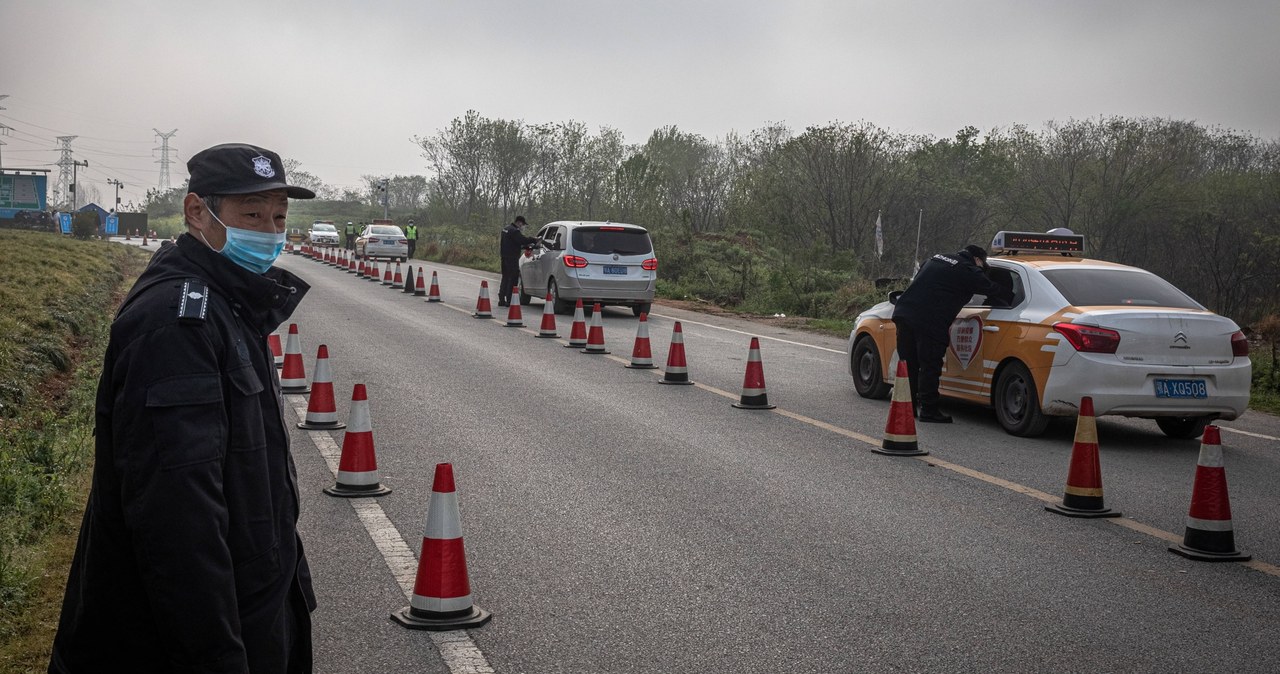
(1077, 327)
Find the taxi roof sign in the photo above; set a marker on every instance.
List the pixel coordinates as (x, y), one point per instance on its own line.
(1061, 241)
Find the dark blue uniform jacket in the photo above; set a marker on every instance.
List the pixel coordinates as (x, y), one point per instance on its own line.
(941, 289)
(188, 558)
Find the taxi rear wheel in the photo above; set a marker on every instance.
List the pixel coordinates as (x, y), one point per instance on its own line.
(868, 380)
(1182, 428)
(1017, 403)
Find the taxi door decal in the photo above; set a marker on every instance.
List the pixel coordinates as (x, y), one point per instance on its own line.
(966, 339)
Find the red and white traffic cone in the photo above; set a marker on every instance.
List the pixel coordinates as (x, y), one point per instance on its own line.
(595, 336)
(273, 340)
(144, 239)
(293, 376)
(386, 274)
(372, 271)
(441, 590)
(1083, 494)
(420, 289)
(900, 430)
(677, 371)
(433, 295)
(641, 356)
(578, 331)
(322, 413)
(397, 281)
(1209, 536)
(408, 280)
(358, 466)
(515, 319)
(548, 326)
(351, 264)
(360, 270)
(754, 396)
(483, 308)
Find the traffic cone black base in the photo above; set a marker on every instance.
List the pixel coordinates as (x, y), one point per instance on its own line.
(358, 491)
(321, 425)
(1205, 555)
(441, 622)
(1085, 512)
(754, 403)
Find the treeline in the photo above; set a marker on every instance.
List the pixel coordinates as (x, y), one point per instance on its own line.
(1197, 205)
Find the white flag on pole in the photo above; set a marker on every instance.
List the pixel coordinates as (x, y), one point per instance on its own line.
(879, 237)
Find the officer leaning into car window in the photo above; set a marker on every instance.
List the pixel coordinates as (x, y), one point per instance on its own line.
(189, 557)
(411, 234)
(513, 245)
(350, 233)
(923, 316)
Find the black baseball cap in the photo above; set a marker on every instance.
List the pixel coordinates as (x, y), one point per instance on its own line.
(238, 168)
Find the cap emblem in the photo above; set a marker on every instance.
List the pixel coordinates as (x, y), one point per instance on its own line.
(262, 166)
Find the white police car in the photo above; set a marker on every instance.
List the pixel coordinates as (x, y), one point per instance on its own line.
(1077, 327)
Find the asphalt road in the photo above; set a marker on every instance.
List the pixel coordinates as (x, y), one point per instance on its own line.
(616, 525)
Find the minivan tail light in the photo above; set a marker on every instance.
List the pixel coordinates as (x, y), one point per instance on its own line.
(574, 262)
(649, 265)
(1239, 345)
(1088, 338)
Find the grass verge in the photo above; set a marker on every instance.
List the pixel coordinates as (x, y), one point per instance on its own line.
(53, 332)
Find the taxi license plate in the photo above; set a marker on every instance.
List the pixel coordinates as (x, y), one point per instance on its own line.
(1181, 388)
(615, 269)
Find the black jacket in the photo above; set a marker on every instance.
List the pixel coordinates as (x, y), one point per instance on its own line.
(188, 558)
(941, 289)
(513, 242)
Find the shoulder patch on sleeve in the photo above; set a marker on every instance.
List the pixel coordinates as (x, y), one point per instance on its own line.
(194, 303)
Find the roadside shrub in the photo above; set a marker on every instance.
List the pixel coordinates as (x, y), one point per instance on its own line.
(84, 225)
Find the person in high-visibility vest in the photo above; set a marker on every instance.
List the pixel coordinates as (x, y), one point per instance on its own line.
(350, 231)
(411, 233)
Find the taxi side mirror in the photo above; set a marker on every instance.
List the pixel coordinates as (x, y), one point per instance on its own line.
(893, 296)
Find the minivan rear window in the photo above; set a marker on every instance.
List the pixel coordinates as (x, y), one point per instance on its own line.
(1116, 287)
(608, 240)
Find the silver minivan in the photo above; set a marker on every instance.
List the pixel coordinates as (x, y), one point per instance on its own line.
(607, 262)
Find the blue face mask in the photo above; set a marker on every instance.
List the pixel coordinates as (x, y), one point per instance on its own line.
(255, 251)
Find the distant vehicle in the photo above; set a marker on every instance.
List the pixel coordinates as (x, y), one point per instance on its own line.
(323, 233)
(382, 241)
(1077, 327)
(607, 262)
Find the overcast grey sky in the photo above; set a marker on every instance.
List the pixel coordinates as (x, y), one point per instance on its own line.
(342, 87)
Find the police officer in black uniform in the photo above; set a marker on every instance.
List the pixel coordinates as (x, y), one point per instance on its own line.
(923, 316)
(189, 557)
(512, 246)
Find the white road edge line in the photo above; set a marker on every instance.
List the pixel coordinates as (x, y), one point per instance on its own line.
(459, 652)
(1252, 435)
